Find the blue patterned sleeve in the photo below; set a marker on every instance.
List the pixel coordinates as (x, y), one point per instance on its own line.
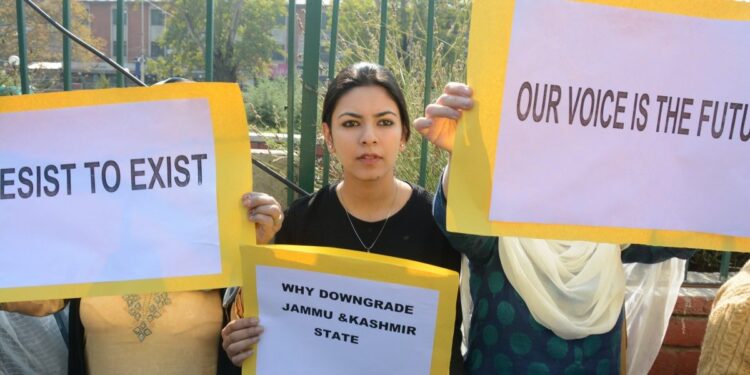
(476, 248)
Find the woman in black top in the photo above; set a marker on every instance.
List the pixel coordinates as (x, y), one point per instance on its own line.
(321, 220)
(366, 126)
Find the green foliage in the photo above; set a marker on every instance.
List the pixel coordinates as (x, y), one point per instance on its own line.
(9, 83)
(102, 82)
(710, 261)
(406, 42)
(243, 44)
(266, 105)
(359, 34)
(43, 42)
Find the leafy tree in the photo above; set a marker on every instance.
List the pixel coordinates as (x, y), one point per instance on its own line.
(243, 44)
(43, 42)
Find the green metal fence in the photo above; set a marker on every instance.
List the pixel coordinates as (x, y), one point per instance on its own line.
(310, 78)
(310, 73)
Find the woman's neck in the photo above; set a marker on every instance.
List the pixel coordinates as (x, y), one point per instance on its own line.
(370, 200)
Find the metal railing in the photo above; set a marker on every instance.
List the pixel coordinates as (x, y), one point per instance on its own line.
(310, 79)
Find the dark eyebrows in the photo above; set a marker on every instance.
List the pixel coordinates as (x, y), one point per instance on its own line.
(381, 114)
(352, 114)
(358, 116)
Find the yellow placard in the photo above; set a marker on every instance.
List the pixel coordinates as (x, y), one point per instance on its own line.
(233, 178)
(474, 153)
(354, 266)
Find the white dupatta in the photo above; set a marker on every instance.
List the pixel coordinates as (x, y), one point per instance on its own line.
(573, 288)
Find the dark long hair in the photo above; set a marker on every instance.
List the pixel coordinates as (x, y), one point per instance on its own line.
(365, 74)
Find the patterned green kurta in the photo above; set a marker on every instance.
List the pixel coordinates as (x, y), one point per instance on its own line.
(505, 339)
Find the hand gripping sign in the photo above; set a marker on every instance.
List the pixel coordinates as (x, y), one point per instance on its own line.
(608, 121)
(122, 190)
(333, 311)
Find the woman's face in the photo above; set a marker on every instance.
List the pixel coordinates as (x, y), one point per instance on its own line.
(365, 133)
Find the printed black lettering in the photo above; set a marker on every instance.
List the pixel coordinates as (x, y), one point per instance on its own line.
(92, 165)
(110, 164)
(588, 94)
(297, 289)
(52, 180)
(25, 181)
(619, 109)
(734, 107)
(537, 117)
(598, 99)
(661, 99)
(136, 173)
(554, 101)
(644, 113)
(169, 171)
(180, 169)
(338, 336)
(523, 114)
(199, 158)
(156, 172)
(611, 95)
(703, 118)
(572, 105)
(38, 181)
(684, 115)
(6, 182)
(717, 133)
(68, 182)
(744, 136)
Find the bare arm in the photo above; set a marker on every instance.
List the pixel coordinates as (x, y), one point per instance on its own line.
(34, 308)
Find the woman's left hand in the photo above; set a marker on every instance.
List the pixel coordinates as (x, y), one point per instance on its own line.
(266, 213)
(239, 337)
(441, 118)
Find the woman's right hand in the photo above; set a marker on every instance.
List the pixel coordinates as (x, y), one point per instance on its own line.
(266, 213)
(239, 337)
(441, 118)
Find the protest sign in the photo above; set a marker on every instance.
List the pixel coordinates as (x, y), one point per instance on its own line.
(608, 121)
(332, 311)
(122, 191)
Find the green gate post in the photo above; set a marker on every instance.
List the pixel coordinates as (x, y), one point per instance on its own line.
(331, 76)
(66, 47)
(724, 270)
(21, 24)
(427, 87)
(119, 46)
(209, 53)
(310, 74)
(383, 32)
(291, 76)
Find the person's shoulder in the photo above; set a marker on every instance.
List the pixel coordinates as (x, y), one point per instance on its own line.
(307, 203)
(303, 214)
(420, 196)
(419, 203)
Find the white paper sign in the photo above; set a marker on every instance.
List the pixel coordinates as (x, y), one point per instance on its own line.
(317, 323)
(120, 192)
(676, 160)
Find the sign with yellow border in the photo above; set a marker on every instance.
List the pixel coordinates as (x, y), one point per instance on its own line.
(333, 311)
(120, 191)
(619, 121)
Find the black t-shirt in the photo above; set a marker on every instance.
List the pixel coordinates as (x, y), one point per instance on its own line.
(411, 233)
